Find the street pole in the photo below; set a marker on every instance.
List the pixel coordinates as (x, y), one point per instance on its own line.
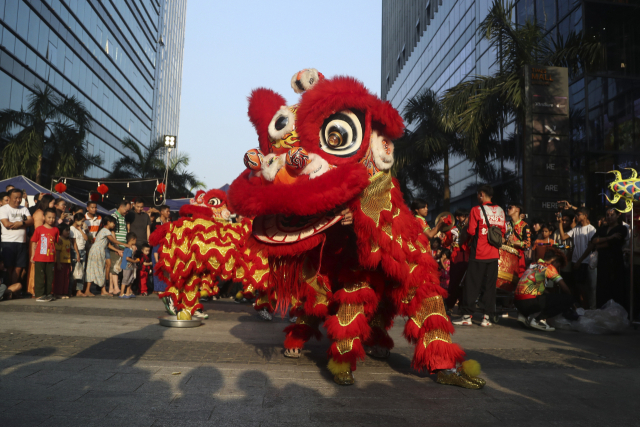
(169, 143)
(631, 258)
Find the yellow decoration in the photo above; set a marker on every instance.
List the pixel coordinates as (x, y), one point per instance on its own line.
(337, 367)
(471, 367)
(184, 315)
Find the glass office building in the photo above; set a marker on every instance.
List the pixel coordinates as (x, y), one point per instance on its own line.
(105, 53)
(433, 44)
(169, 69)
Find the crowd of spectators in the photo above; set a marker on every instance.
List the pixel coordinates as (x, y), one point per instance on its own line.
(562, 264)
(53, 250)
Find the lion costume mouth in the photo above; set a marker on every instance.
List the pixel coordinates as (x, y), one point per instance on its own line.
(283, 229)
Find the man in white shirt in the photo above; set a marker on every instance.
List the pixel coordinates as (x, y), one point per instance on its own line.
(14, 221)
(581, 234)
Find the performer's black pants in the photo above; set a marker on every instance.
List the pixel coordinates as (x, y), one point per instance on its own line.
(455, 283)
(548, 305)
(481, 277)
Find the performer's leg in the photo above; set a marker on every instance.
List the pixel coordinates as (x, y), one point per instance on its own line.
(348, 327)
(189, 299)
(458, 270)
(430, 329)
(471, 287)
(379, 343)
(310, 310)
(489, 288)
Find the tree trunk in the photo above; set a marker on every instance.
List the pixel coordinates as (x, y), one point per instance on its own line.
(39, 169)
(447, 190)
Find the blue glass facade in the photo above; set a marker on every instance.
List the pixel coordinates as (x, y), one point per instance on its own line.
(605, 106)
(103, 52)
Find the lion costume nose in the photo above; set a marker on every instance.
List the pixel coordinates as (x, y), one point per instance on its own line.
(253, 159)
(296, 160)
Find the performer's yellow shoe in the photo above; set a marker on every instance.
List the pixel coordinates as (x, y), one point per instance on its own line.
(344, 378)
(460, 380)
(476, 380)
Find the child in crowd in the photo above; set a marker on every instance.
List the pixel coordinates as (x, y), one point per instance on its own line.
(145, 269)
(43, 256)
(445, 266)
(79, 239)
(544, 243)
(63, 263)
(96, 260)
(129, 267)
(436, 245)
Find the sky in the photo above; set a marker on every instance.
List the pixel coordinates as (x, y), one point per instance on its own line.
(232, 47)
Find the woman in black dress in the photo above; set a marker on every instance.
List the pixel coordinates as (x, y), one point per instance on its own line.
(609, 240)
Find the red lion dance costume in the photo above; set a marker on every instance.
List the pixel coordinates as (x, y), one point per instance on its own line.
(330, 152)
(201, 246)
(326, 156)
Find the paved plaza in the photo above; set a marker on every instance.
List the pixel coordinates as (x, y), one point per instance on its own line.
(107, 362)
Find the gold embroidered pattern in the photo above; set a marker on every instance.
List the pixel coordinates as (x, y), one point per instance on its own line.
(433, 306)
(377, 196)
(309, 276)
(347, 313)
(354, 287)
(345, 346)
(436, 335)
(412, 293)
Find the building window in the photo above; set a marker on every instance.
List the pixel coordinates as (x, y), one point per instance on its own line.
(418, 26)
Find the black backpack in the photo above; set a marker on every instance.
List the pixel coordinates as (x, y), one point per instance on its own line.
(494, 234)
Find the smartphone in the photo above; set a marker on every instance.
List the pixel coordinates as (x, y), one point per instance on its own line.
(561, 205)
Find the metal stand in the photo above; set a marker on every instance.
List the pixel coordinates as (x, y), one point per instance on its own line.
(631, 259)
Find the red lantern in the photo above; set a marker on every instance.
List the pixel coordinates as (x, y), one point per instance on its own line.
(102, 189)
(60, 187)
(161, 188)
(94, 197)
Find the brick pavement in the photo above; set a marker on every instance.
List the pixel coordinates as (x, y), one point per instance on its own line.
(103, 362)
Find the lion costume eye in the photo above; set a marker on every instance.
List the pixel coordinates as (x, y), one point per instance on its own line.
(214, 202)
(341, 134)
(282, 123)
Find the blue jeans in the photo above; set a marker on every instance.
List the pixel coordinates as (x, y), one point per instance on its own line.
(83, 257)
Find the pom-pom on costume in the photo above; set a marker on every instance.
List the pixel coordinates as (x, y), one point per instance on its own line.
(330, 152)
(201, 246)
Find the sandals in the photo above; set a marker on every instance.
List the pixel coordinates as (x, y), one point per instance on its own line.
(293, 353)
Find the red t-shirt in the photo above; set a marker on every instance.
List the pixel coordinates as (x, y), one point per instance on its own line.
(480, 247)
(46, 239)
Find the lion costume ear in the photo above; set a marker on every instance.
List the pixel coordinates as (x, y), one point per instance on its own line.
(263, 105)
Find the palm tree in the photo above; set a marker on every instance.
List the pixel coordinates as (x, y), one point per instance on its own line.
(429, 143)
(485, 104)
(70, 157)
(181, 182)
(148, 162)
(49, 120)
(144, 163)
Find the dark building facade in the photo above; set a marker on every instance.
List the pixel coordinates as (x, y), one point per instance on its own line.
(604, 105)
(105, 53)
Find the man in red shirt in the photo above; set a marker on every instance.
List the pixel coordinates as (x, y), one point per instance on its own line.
(482, 272)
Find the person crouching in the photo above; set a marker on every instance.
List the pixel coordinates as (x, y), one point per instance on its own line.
(534, 303)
